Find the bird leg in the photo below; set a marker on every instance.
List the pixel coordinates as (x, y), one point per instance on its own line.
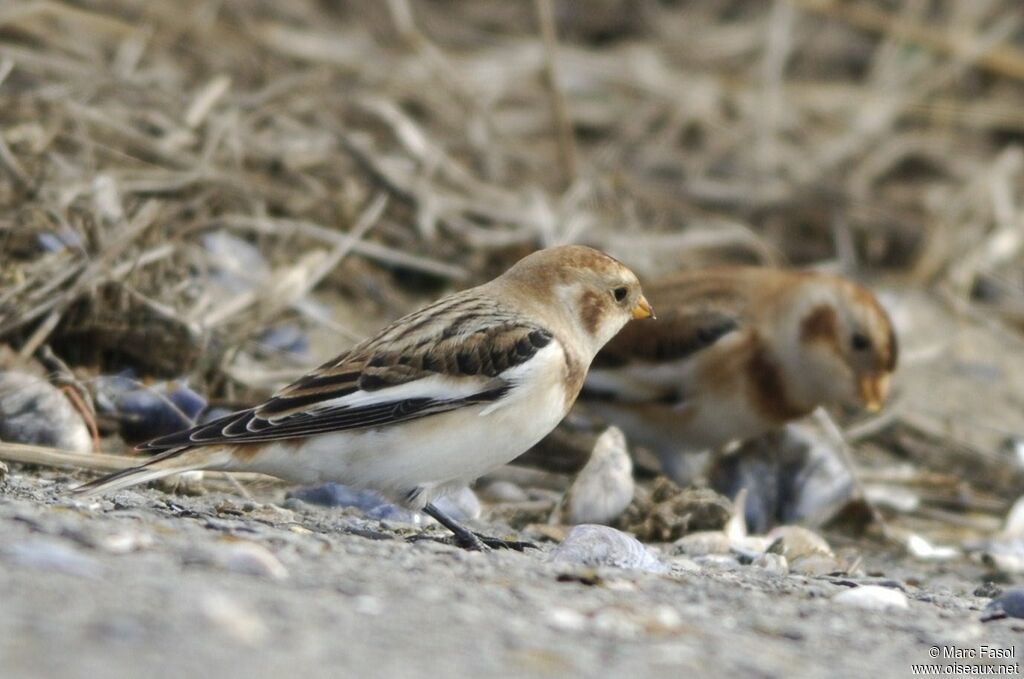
(467, 539)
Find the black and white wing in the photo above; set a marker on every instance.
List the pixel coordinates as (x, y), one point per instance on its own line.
(461, 351)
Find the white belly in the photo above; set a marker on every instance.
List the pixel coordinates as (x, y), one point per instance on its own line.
(433, 453)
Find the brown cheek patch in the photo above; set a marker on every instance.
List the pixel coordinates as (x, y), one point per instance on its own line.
(769, 389)
(819, 326)
(591, 311)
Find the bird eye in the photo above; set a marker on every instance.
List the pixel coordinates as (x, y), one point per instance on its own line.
(620, 294)
(860, 342)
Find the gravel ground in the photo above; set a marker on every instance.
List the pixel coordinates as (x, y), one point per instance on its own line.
(150, 584)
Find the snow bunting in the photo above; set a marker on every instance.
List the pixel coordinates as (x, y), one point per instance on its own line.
(433, 400)
(738, 352)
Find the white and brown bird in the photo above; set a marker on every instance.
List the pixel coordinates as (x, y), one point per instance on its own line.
(738, 352)
(433, 400)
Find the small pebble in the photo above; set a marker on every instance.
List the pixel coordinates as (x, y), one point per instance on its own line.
(126, 541)
(872, 597)
(566, 619)
(593, 545)
(920, 548)
(35, 412)
(1010, 604)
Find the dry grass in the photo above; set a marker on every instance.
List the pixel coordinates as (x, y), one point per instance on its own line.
(376, 154)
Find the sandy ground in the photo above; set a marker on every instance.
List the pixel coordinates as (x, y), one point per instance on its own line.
(150, 584)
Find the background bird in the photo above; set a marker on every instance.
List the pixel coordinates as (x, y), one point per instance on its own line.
(738, 352)
(433, 400)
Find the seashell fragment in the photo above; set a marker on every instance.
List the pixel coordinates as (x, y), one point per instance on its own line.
(604, 487)
(593, 545)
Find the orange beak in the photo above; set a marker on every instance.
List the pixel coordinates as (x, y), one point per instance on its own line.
(874, 390)
(643, 309)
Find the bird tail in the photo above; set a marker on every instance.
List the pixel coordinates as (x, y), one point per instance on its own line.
(165, 464)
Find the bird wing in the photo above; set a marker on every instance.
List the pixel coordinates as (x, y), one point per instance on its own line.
(463, 351)
(696, 311)
(679, 334)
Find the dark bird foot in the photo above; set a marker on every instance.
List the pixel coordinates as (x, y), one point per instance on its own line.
(467, 539)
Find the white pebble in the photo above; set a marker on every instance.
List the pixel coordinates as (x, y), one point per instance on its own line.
(920, 548)
(125, 541)
(872, 597)
(566, 619)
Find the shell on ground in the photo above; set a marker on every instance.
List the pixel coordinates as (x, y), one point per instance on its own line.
(593, 545)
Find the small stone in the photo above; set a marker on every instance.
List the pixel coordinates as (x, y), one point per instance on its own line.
(872, 597)
(593, 545)
(33, 411)
(920, 548)
(566, 619)
(126, 541)
(1010, 604)
(664, 619)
